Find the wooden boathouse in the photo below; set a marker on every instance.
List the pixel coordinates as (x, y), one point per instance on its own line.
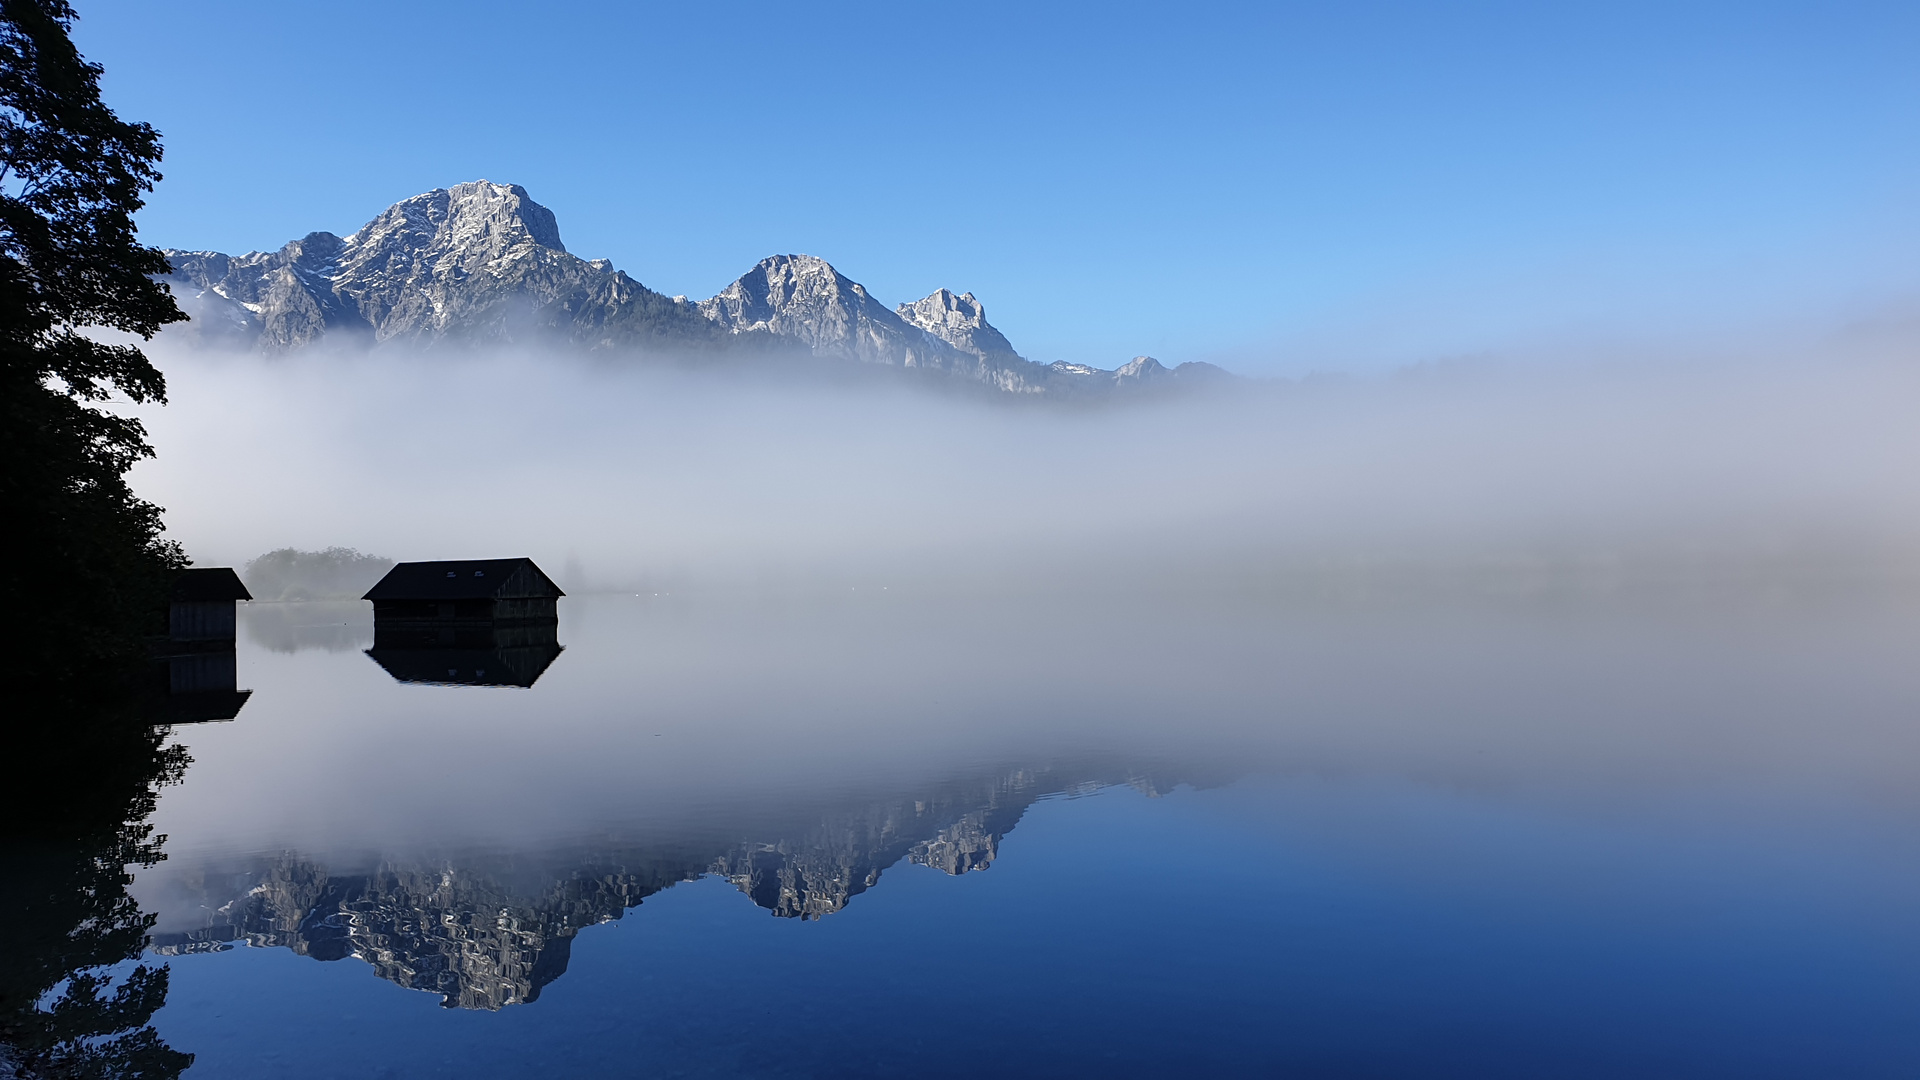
(201, 607)
(474, 622)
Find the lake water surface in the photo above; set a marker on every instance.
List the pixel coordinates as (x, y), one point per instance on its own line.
(1401, 830)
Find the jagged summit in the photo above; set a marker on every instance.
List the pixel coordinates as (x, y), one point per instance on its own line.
(484, 262)
(474, 227)
(474, 262)
(960, 321)
(803, 298)
(477, 218)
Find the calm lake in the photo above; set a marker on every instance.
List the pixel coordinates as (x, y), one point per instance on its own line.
(1403, 829)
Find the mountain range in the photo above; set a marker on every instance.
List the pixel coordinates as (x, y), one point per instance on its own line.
(483, 264)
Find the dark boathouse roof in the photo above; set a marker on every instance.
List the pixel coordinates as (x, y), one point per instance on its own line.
(464, 579)
(208, 583)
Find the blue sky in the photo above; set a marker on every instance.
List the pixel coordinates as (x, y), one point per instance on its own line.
(1276, 187)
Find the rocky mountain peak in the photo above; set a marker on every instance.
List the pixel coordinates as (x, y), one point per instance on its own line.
(475, 261)
(476, 215)
(803, 298)
(1140, 367)
(314, 248)
(960, 321)
(479, 227)
(787, 294)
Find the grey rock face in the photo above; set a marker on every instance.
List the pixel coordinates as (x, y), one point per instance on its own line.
(960, 321)
(483, 263)
(1142, 369)
(802, 298)
(474, 262)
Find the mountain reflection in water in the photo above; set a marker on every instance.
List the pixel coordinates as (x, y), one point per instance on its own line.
(1551, 817)
(489, 931)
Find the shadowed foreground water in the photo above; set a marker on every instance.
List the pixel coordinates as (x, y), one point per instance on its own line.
(1410, 831)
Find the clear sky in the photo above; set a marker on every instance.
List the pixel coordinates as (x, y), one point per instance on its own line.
(1276, 187)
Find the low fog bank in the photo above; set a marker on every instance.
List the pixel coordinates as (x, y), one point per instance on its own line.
(626, 479)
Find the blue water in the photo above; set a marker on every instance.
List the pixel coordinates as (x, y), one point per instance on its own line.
(1212, 932)
(1579, 838)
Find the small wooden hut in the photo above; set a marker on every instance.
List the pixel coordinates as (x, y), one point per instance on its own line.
(202, 604)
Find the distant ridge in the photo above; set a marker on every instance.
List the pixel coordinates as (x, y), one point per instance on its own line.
(483, 263)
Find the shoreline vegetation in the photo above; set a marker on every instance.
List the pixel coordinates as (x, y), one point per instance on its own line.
(96, 568)
(335, 573)
(91, 570)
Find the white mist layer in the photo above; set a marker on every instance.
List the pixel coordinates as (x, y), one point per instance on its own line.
(628, 478)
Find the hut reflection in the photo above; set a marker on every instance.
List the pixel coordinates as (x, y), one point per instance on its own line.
(485, 622)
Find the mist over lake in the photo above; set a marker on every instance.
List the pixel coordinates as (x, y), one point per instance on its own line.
(1599, 675)
(646, 472)
(1113, 807)
(1008, 541)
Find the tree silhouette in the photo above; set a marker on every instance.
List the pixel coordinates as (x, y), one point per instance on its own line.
(65, 845)
(85, 566)
(88, 563)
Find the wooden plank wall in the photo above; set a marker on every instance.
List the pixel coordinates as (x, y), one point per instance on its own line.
(201, 620)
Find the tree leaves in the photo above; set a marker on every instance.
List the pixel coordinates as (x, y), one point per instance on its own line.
(72, 174)
(90, 565)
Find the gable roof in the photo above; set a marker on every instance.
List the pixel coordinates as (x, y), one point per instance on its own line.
(208, 583)
(464, 579)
